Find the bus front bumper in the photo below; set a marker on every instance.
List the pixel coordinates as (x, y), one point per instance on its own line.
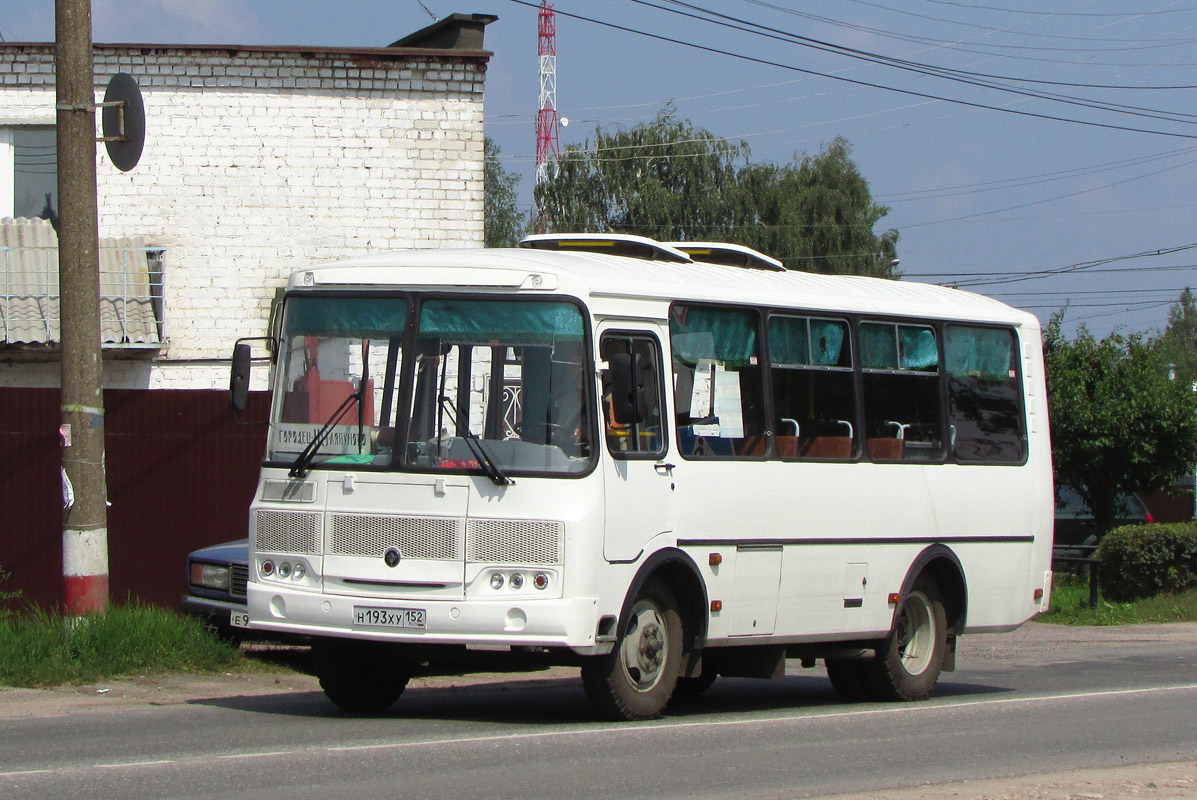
(556, 623)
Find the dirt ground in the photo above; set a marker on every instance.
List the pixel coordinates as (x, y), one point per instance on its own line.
(1042, 644)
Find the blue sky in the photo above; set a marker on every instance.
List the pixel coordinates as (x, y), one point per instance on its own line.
(986, 189)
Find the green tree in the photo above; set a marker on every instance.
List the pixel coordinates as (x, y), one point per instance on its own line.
(665, 179)
(817, 215)
(504, 223)
(1118, 424)
(1178, 344)
(671, 181)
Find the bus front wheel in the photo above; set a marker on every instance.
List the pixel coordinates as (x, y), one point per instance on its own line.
(636, 679)
(361, 677)
(907, 666)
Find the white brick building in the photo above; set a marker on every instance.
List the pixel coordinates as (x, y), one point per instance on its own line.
(257, 161)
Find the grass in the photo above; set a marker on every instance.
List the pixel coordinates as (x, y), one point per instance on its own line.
(39, 648)
(1070, 606)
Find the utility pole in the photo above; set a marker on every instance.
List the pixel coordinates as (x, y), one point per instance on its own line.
(85, 494)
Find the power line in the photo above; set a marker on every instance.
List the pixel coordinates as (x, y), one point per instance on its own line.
(874, 57)
(866, 84)
(977, 79)
(1083, 266)
(972, 7)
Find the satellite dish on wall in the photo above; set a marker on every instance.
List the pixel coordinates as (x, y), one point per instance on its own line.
(123, 121)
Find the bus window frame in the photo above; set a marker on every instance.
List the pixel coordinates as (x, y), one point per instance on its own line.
(1015, 333)
(762, 364)
(661, 377)
(853, 370)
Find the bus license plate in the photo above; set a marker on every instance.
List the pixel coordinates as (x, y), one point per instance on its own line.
(239, 619)
(388, 617)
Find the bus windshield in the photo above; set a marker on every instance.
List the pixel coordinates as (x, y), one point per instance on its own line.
(339, 360)
(501, 380)
(498, 386)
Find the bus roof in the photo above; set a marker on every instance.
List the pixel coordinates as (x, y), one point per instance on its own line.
(602, 279)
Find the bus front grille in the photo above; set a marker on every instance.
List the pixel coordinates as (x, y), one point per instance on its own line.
(514, 541)
(287, 532)
(429, 538)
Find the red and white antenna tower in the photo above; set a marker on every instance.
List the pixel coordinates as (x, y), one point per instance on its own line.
(548, 147)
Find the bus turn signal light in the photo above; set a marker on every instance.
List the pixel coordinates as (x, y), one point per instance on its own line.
(714, 559)
(894, 597)
(716, 605)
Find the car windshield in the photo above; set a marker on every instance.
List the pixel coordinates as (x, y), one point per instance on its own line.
(1069, 505)
(497, 386)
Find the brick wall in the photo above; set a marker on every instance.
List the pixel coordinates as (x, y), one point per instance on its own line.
(258, 162)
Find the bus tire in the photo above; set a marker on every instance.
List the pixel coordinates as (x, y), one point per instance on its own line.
(690, 688)
(908, 664)
(359, 676)
(847, 676)
(636, 679)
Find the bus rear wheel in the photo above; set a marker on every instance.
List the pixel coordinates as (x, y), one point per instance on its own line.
(359, 676)
(908, 665)
(636, 679)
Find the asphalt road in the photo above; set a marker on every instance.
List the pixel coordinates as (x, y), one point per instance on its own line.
(1040, 700)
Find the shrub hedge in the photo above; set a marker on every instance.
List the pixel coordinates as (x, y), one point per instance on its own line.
(1139, 561)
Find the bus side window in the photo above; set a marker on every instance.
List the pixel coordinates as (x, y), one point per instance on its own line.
(901, 392)
(718, 381)
(984, 394)
(632, 438)
(814, 392)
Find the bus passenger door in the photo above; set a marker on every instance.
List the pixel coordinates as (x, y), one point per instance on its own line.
(638, 476)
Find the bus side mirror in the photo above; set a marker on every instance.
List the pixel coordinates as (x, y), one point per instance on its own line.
(628, 405)
(239, 377)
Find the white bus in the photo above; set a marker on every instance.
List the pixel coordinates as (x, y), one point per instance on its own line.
(661, 463)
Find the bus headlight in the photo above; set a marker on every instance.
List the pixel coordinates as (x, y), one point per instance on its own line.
(496, 580)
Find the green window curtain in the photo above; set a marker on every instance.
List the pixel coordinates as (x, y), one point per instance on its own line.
(828, 339)
(508, 322)
(727, 336)
(878, 347)
(789, 344)
(354, 317)
(917, 346)
(979, 352)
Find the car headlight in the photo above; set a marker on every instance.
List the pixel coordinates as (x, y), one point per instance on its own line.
(210, 576)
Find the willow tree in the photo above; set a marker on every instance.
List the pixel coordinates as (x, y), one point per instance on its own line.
(664, 179)
(816, 215)
(503, 222)
(671, 181)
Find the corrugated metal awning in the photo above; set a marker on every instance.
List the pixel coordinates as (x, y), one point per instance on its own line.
(130, 287)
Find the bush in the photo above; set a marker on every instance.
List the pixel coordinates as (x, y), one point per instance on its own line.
(1140, 561)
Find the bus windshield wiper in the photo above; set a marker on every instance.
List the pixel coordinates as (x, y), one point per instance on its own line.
(300, 467)
(488, 465)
